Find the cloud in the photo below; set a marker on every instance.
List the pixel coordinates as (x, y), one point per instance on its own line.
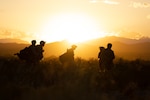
(105, 1)
(111, 2)
(129, 34)
(139, 4)
(93, 1)
(9, 33)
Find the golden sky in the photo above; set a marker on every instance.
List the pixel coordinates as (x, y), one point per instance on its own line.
(54, 20)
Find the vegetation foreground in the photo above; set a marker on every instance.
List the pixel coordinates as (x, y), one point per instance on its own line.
(48, 80)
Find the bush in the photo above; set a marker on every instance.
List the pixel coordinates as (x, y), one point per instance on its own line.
(50, 80)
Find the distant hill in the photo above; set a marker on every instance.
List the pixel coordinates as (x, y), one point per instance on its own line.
(107, 39)
(8, 40)
(123, 47)
(8, 49)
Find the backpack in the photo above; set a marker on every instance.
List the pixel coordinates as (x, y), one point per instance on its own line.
(63, 58)
(24, 53)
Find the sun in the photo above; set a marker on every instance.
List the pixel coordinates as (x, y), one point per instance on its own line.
(71, 27)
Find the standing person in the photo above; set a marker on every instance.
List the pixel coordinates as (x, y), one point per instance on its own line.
(109, 57)
(32, 51)
(39, 50)
(33, 45)
(71, 53)
(101, 57)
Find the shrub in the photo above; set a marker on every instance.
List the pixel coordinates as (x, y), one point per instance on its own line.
(50, 80)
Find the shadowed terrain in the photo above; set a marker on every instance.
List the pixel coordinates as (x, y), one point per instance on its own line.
(128, 80)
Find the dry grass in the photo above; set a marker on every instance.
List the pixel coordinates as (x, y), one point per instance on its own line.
(48, 80)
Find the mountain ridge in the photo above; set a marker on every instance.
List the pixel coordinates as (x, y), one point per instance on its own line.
(107, 38)
(9, 40)
(89, 49)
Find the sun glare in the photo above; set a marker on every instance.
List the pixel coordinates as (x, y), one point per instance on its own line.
(70, 27)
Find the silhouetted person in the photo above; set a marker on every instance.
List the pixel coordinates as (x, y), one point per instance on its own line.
(33, 45)
(109, 57)
(101, 57)
(71, 53)
(32, 52)
(67, 58)
(39, 50)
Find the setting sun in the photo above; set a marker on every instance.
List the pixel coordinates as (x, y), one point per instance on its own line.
(71, 27)
(73, 20)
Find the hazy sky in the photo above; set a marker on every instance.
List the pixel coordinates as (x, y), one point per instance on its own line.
(128, 18)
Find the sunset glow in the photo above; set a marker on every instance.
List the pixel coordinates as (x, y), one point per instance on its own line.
(73, 20)
(71, 27)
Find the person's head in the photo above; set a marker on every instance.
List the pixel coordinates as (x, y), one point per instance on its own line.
(73, 47)
(42, 43)
(33, 42)
(109, 45)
